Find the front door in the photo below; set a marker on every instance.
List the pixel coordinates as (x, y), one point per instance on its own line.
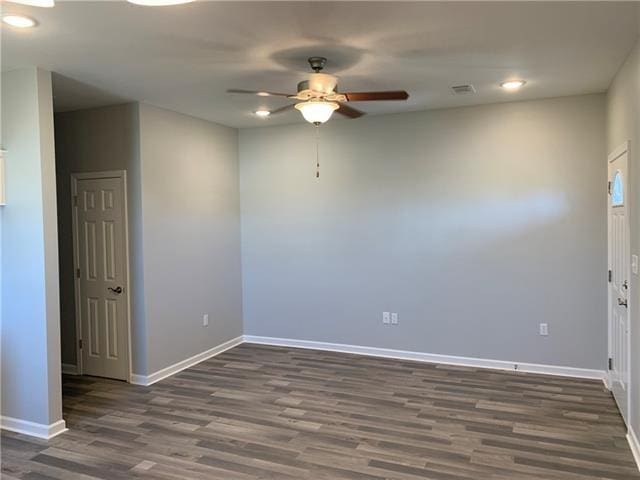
(619, 280)
(102, 289)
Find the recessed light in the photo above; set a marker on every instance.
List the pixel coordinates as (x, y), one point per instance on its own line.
(159, 3)
(512, 84)
(263, 94)
(37, 3)
(19, 21)
(262, 113)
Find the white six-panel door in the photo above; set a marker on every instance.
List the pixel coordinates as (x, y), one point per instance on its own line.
(619, 334)
(102, 280)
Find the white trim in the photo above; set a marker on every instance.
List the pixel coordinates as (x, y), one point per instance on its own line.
(69, 369)
(26, 427)
(622, 149)
(3, 182)
(619, 150)
(431, 357)
(96, 175)
(147, 380)
(634, 445)
(122, 174)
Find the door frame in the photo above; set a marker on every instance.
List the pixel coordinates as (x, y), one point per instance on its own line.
(617, 152)
(122, 175)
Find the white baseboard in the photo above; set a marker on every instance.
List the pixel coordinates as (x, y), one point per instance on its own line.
(26, 427)
(69, 369)
(634, 445)
(431, 357)
(147, 380)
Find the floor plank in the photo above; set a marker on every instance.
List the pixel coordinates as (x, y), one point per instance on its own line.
(261, 412)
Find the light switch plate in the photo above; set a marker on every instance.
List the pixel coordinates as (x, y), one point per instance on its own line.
(394, 318)
(634, 264)
(544, 329)
(386, 317)
(205, 320)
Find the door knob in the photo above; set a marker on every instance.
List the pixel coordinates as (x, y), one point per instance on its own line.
(622, 302)
(118, 290)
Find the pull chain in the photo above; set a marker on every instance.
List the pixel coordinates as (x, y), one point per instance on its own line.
(317, 151)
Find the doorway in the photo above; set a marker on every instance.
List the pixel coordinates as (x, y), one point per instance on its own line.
(101, 263)
(618, 248)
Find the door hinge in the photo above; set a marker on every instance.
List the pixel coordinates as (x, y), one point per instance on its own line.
(610, 363)
(78, 272)
(75, 200)
(609, 188)
(80, 344)
(610, 275)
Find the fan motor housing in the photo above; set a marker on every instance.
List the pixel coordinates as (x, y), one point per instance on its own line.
(317, 63)
(321, 83)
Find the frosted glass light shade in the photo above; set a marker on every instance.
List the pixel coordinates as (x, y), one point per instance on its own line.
(317, 112)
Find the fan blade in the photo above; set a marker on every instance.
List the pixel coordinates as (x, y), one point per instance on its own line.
(348, 111)
(286, 108)
(260, 93)
(375, 96)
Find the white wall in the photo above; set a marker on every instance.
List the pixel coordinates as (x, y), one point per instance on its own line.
(31, 389)
(474, 224)
(623, 105)
(191, 235)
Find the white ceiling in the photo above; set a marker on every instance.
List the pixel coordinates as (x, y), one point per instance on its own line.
(185, 57)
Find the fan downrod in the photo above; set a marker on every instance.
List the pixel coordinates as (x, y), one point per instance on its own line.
(317, 63)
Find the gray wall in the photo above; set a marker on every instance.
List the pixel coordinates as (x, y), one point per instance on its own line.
(184, 225)
(30, 306)
(474, 224)
(191, 235)
(94, 140)
(623, 105)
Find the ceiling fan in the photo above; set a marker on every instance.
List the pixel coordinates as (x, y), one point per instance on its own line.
(319, 96)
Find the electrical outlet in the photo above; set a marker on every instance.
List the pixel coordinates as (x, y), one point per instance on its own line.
(544, 329)
(394, 318)
(205, 320)
(386, 318)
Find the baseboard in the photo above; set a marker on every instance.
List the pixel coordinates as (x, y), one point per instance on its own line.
(147, 380)
(431, 357)
(69, 369)
(634, 445)
(26, 427)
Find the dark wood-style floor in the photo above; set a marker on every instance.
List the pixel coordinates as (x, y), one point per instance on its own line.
(258, 412)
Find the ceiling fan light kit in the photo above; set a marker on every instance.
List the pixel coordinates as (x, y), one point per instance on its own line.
(317, 111)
